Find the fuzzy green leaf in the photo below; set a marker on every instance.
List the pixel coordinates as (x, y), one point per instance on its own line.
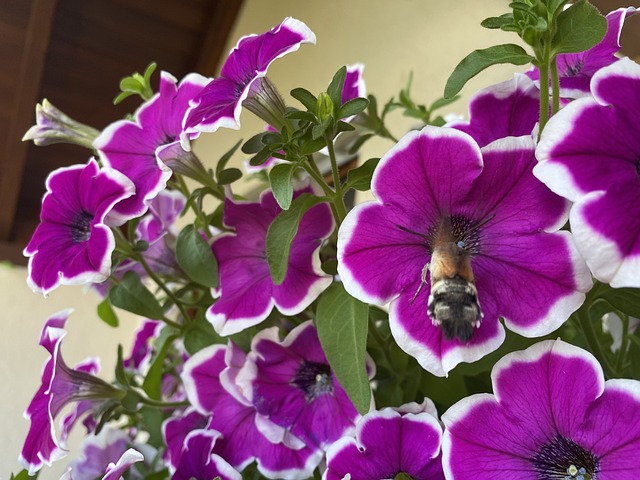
(335, 87)
(194, 256)
(478, 60)
(280, 178)
(579, 28)
(306, 98)
(342, 323)
(281, 233)
(107, 314)
(131, 295)
(360, 178)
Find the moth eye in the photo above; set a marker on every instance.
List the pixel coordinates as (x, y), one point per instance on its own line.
(460, 244)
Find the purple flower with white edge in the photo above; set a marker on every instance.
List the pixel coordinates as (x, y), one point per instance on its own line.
(552, 415)
(114, 471)
(73, 244)
(291, 383)
(175, 430)
(246, 290)
(590, 154)
(61, 385)
(135, 147)
(242, 78)
(576, 69)
(388, 443)
(90, 366)
(98, 451)
(141, 349)
(198, 461)
(494, 228)
(210, 381)
(354, 86)
(507, 109)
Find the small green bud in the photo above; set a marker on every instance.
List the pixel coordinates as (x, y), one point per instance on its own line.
(324, 107)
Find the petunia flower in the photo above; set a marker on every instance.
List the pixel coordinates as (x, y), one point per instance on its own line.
(135, 148)
(552, 415)
(114, 471)
(437, 189)
(576, 69)
(507, 109)
(589, 153)
(291, 383)
(73, 244)
(242, 78)
(98, 451)
(390, 443)
(197, 460)
(209, 378)
(53, 126)
(61, 385)
(246, 290)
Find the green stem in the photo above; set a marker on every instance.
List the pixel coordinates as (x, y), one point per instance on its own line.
(544, 95)
(337, 185)
(555, 87)
(582, 315)
(312, 169)
(182, 186)
(160, 404)
(165, 289)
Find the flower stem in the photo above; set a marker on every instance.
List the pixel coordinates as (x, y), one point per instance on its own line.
(555, 87)
(582, 316)
(182, 187)
(337, 185)
(624, 344)
(160, 404)
(165, 289)
(544, 93)
(312, 169)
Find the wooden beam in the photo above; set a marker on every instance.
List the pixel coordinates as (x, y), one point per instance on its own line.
(28, 84)
(223, 16)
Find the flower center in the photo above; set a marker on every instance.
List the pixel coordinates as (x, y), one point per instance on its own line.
(403, 476)
(575, 69)
(81, 226)
(314, 379)
(564, 459)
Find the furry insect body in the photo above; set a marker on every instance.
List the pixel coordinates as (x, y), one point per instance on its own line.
(453, 302)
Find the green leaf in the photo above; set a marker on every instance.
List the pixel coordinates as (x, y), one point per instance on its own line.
(579, 28)
(229, 175)
(23, 475)
(312, 146)
(280, 179)
(260, 157)
(121, 376)
(443, 102)
(151, 420)
(344, 127)
(106, 313)
(335, 87)
(281, 232)
(131, 295)
(130, 84)
(222, 163)
(478, 60)
(299, 115)
(152, 384)
(195, 257)
(200, 334)
(627, 300)
(497, 22)
(342, 323)
(306, 98)
(353, 107)
(360, 178)
(254, 144)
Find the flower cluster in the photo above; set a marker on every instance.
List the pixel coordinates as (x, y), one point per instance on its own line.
(294, 335)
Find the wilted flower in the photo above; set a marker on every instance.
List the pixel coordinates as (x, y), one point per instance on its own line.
(53, 126)
(590, 154)
(552, 415)
(495, 227)
(73, 244)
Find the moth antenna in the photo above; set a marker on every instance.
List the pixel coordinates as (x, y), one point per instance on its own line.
(405, 229)
(482, 223)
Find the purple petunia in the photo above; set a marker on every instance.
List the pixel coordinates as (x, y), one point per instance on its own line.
(497, 224)
(73, 244)
(243, 77)
(507, 109)
(590, 154)
(291, 383)
(552, 415)
(246, 290)
(209, 378)
(61, 385)
(576, 69)
(135, 147)
(388, 443)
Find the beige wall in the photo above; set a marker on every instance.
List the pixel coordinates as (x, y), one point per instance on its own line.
(428, 37)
